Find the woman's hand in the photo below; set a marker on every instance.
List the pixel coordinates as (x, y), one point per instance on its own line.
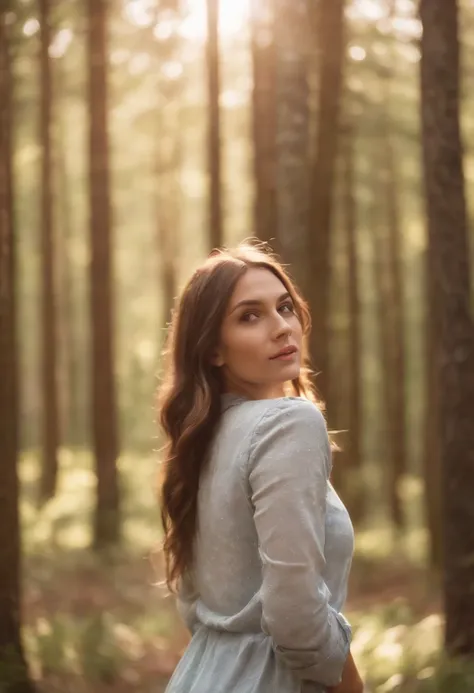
(351, 681)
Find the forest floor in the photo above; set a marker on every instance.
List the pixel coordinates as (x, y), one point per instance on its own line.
(102, 623)
(98, 626)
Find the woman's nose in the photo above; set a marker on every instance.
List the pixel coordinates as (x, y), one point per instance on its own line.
(282, 326)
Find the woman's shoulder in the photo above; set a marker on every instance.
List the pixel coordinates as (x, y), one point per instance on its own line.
(289, 406)
(279, 415)
(290, 430)
(290, 414)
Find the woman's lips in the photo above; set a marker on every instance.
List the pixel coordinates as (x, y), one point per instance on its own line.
(286, 354)
(285, 357)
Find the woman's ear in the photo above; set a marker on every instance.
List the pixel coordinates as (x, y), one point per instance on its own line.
(217, 359)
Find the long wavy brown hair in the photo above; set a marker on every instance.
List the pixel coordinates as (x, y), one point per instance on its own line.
(189, 401)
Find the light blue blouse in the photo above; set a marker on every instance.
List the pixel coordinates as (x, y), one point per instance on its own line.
(272, 557)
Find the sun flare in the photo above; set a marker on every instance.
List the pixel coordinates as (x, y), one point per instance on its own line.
(233, 16)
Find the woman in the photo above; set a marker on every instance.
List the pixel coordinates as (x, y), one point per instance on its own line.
(257, 544)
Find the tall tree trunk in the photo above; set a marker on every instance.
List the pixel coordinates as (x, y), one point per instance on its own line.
(13, 668)
(264, 120)
(395, 316)
(292, 40)
(72, 337)
(382, 287)
(431, 454)
(331, 39)
(214, 128)
(355, 498)
(48, 308)
(448, 239)
(168, 169)
(72, 417)
(338, 397)
(168, 159)
(104, 407)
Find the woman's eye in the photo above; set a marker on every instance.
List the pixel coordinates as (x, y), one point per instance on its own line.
(287, 307)
(249, 317)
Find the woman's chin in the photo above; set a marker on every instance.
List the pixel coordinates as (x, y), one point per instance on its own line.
(289, 371)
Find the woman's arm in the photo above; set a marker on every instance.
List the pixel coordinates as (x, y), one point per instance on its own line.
(289, 465)
(186, 602)
(351, 681)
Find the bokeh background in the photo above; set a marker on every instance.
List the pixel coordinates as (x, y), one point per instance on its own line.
(137, 135)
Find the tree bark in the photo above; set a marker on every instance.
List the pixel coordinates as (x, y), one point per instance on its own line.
(332, 41)
(431, 453)
(104, 408)
(264, 120)
(168, 162)
(292, 39)
(448, 242)
(354, 488)
(169, 156)
(72, 418)
(382, 287)
(48, 297)
(13, 668)
(394, 311)
(216, 236)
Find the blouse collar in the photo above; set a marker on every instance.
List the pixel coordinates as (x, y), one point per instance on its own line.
(231, 399)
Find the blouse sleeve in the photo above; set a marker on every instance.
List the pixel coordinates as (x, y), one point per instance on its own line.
(186, 602)
(289, 467)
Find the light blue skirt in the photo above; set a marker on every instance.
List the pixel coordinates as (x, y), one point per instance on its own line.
(222, 662)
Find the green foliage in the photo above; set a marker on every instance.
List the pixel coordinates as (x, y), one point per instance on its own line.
(64, 522)
(12, 669)
(98, 652)
(397, 652)
(456, 676)
(91, 646)
(50, 640)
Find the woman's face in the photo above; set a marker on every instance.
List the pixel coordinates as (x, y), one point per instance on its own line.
(261, 337)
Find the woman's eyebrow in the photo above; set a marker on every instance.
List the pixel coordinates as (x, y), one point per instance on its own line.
(257, 302)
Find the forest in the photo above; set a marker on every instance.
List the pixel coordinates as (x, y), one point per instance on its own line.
(135, 137)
